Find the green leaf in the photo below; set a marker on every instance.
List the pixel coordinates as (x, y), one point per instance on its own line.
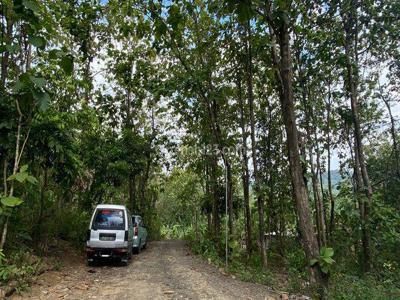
(24, 168)
(325, 269)
(11, 177)
(31, 179)
(244, 11)
(328, 260)
(55, 53)
(37, 41)
(67, 63)
(12, 49)
(11, 201)
(21, 177)
(18, 86)
(43, 99)
(31, 5)
(38, 81)
(161, 28)
(313, 261)
(174, 16)
(326, 252)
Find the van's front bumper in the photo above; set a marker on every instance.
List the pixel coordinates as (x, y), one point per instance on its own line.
(92, 253)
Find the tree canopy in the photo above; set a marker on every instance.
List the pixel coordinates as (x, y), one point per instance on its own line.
(277, 118)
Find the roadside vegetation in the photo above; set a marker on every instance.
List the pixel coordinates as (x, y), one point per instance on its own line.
(270, 124)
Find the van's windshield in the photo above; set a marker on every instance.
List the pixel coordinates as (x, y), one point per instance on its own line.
(106, 218)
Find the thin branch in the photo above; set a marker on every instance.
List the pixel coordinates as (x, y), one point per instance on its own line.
(23, 145)
(5, 176)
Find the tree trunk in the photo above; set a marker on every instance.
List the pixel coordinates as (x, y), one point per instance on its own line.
(7, 31)
(229, 198)
(208, 194)
(245, 171)
(15, 169)
(260, 200)
(196, 223)
(321, 186)
(203, 90)
(311, 140)
(4, 233)
(132, 193)
(317, 182)
(215, 204)
(318, 204)
(37, 231)
(364, 210)
(310, 242)
(328, 146)
(128, 120)
(216, 130)
(350, 24)
(5, 185)
(209, 224)
(392, 133)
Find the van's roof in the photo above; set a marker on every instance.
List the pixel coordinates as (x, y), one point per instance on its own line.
(114, 206)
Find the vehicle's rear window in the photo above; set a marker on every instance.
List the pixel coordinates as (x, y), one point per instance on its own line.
(109, 219)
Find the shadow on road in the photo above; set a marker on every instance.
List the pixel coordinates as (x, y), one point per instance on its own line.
(109, 262)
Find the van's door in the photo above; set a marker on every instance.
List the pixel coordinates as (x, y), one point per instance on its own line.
(108, 228)
(130, 228)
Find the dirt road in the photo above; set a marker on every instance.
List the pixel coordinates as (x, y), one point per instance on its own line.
(165, 270)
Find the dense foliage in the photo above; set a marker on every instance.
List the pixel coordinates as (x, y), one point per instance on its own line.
(217, 121)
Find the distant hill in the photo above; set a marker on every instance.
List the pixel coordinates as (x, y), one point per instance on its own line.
(335, 178)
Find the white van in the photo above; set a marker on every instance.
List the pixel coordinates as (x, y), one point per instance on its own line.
(110, 234)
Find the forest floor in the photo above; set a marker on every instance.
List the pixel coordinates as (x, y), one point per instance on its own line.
(165, 270)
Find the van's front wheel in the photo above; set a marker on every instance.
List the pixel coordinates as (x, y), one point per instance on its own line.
(124, 261)
(91, 262)
(136, 250)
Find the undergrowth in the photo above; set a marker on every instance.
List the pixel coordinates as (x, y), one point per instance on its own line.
(18, 268)
(290, 273)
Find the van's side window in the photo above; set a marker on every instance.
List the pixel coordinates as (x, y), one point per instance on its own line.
(129, 219)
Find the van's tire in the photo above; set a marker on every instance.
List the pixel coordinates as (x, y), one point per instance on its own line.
(144, 246)
(91, 263)
(136, 250)
(124, 261)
